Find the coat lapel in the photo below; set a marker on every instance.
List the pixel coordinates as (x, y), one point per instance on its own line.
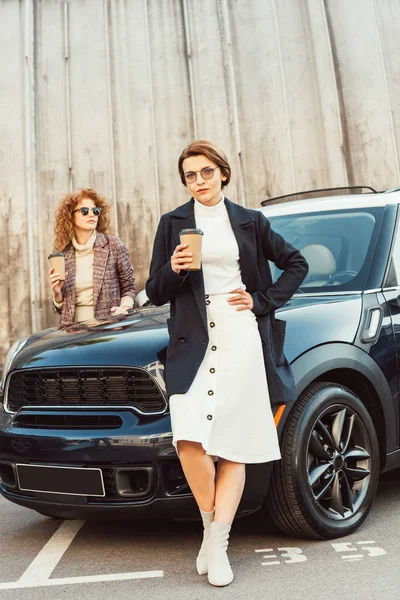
(183, 218)
(244, 229)
(101, 251)
(69, 285)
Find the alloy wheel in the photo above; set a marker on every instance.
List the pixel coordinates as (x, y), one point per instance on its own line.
(338, 462)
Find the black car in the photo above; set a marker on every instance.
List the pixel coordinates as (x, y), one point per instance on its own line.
(84, 425)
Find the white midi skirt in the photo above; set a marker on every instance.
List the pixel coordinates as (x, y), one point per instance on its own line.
(227, 408)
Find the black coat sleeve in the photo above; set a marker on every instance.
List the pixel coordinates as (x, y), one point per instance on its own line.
(163, 283)
(288, 259)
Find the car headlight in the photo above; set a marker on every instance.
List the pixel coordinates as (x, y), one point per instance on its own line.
(11, 354)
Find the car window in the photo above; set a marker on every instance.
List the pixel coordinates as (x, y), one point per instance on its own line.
(393, 275)
(338, 246)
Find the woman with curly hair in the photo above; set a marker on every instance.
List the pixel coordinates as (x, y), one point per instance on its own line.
(99, 276)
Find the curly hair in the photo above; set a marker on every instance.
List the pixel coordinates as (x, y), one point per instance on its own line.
(63, 221)
(212, 152)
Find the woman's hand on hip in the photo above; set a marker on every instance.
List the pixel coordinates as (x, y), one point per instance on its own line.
(242, 300)
(180, 260)
(56, 285)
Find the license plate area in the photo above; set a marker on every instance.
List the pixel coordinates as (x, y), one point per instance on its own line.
(75, 481)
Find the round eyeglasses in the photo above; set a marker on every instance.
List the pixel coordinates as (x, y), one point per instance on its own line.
(84, 210)
(206, 173)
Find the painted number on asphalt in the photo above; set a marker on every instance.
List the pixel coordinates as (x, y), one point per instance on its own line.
(348, 549)
(288, 554)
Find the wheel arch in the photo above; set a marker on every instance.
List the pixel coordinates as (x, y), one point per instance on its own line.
(349, 366)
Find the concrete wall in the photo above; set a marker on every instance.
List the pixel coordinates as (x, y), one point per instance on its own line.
(106, 93)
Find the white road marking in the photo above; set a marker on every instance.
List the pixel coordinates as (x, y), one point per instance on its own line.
(344, 547)
(40, 569)
(50, 555)
(12, 585)
(369, 542)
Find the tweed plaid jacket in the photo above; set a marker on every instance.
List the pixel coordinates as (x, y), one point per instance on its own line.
(112, 278)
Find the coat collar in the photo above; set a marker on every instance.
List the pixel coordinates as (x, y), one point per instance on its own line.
(238, 213)
(101, 240)
(243, 227)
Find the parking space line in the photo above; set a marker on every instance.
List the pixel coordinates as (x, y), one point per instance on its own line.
(50, 555)
(40, 569)
(12, 585)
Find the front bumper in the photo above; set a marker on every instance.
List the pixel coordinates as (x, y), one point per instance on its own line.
(141, 471)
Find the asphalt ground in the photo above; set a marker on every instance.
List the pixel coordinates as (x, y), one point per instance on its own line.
(43, 558)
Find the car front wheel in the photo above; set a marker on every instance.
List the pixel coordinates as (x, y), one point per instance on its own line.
(326, 482)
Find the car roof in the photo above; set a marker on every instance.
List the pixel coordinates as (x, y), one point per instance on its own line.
(328, 203)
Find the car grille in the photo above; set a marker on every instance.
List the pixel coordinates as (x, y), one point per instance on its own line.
(131, 387)
(63, 421)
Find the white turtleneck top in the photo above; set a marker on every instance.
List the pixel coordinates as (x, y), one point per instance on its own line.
(84, 255)
(220, 251)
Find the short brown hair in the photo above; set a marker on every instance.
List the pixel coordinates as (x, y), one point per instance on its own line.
(212, 152)
(63, 222)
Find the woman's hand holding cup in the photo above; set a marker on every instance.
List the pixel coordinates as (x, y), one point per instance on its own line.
(180, 260)
(57, 274)
(56, 285)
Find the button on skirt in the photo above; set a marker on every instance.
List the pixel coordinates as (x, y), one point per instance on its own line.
(227, 408)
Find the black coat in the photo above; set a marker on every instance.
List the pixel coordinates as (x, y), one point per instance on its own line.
(187, 325)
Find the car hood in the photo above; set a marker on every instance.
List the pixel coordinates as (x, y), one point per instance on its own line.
(127, 340)
(136, 339)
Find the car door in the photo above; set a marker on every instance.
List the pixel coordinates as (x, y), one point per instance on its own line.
(391, 293)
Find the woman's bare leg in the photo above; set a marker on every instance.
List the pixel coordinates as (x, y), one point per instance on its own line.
(199, 471)
(230, 482)
(223, 492)
(228, 492)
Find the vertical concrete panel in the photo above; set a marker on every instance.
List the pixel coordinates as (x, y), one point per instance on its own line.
(91, 143)
(136, 159)
(15, 300)
(360, 75)
(205, 30)
(171, 95)
(388, 31)
(302, 96)
(52, 130)
(331, 143)
(264, 120)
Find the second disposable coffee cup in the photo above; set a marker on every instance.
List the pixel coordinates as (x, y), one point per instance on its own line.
(57, 262)
(193, 238)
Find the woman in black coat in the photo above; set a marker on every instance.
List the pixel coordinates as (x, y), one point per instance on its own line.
(225, 359)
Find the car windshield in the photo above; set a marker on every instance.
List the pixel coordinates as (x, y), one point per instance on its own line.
(338, 246)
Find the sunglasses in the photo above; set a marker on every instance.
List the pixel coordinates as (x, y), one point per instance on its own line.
(206, 173)
(84, 210)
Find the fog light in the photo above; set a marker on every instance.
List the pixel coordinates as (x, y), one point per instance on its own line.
(134, 482)
(7, 476)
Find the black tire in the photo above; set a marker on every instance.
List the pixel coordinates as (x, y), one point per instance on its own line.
(326, 482)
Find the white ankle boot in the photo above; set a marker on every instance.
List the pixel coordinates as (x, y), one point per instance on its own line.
(219, 569)
(202, 557)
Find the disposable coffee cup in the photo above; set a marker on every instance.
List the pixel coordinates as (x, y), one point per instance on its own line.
(193, 238)
(57, 262)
